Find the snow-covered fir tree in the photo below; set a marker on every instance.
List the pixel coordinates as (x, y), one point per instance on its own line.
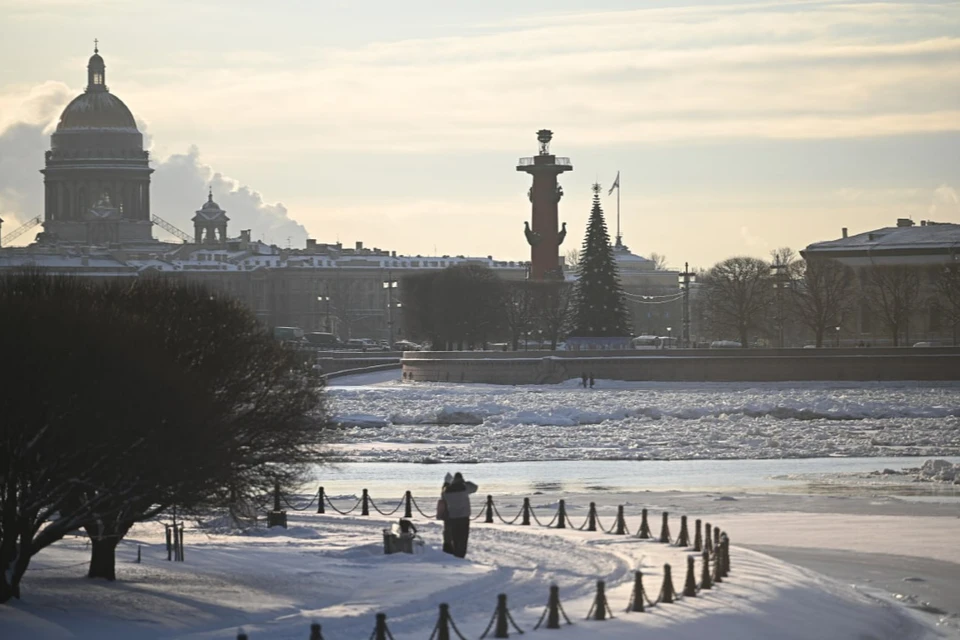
(601, 309)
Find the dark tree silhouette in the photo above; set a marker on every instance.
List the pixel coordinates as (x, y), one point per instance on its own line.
(948, 290)
(519, 310)
(823, 295)
(736, 295)
(600, 307)
(892, 293)
(160, 395)
(554, 303)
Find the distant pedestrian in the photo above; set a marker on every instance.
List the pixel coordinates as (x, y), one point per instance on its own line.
(442, 514)
(591, 380)
(457, 497)
(583, 379)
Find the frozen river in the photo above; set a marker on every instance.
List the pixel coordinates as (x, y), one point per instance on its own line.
(617, 421)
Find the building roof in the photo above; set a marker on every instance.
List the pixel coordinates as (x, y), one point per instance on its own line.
(928, 237)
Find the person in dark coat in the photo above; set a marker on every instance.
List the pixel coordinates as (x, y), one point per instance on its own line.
(443, 515)
(457, 497)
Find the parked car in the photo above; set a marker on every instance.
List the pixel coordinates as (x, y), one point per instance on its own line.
(406, 345)
(725, 344)
(927, 343)
(322, 340)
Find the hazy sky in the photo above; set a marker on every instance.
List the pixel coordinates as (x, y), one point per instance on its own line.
(737, 127)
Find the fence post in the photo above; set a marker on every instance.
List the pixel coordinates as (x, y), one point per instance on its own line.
(592, 517)
(526, 512)
(697, 537)
(169, 538)
(553, 608)
(717, 558)
(707, 546)
(276, 496)
(644, 526)
(599, 609)
(408, 504)
(621, 523)
(683, 540)
(636, 600)
(690, 584)
(716, 537)
(562, 515)
(667, 591)
(665, 529)
(365, 506)
(443, 623)
(321, 497)
(705, 582)
(181, 542)
(380, 631)
(501, 630)
(725, 539)
(138, 554)
(277, 517)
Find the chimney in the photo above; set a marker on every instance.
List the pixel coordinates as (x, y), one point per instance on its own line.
(245, 235)
(904, 222)
(844, 230)
(393, 254)
(359, 246)
(311, 244)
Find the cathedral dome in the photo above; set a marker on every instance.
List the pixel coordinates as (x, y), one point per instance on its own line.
(97, 110)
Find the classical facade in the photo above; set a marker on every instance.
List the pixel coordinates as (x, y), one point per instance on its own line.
(97, 174)
(926, 248)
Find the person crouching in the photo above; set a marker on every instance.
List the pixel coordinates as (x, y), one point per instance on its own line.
(457, 497)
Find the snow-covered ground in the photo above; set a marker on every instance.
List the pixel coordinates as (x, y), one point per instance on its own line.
(882, 552)
(629, 421)
(331, 570)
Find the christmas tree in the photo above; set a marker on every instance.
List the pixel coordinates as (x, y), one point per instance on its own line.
(600, 309)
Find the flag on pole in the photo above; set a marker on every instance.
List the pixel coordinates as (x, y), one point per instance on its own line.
(615, 185)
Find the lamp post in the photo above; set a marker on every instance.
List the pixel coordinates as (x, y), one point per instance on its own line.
(390, 284)
(838, 337)
(685, 279)
(669, 335)
(326, 298)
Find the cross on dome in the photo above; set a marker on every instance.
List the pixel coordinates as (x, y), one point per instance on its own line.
(596, 188)
(95, 46)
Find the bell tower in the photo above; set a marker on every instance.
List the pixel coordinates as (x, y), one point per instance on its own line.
(544, 236)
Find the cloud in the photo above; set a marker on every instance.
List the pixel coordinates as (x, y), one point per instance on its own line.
(179, 188)
(945, 204)
(179, 183)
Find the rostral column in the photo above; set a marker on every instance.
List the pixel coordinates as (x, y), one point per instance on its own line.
(544, 237)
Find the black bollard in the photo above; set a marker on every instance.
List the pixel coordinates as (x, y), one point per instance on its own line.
(690, 584)
(526, 512)
(168, 535)
(592, 517)
(501, 630)
(621, 523)
(725, 539)
(380, 632)
(407, 504)
(176, 543)
(241, 635)
(644, 526)
(138, 554)
(562, 515)
(181, 543)
(442, 631)
(365, 504)
(667, 592)
(683, 540)
(277, 517)
(315, 632)
(600, 606)
(489, 518)
(707, 537)
(716, 537)
(665, 529)
(717, 560)
(636, 599)
(553, 608)
(705, 582)
(321, 498)
(697, 537)
(276, 496)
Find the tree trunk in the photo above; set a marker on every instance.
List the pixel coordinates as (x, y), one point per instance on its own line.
(13, 564)
(104, 538)
(819, 336)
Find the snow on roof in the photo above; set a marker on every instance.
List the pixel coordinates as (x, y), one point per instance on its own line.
(944, 236)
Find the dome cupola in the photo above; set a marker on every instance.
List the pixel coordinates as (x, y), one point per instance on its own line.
(96, 71)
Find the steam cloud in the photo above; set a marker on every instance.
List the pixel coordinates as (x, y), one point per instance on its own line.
(179, 183)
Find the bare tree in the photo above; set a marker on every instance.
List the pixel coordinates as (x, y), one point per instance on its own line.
(659, 261)
(572, 258)
(735, 296)
(948, 291)
(519, 306)
(892, 293)
(554, 309)
(822, 295)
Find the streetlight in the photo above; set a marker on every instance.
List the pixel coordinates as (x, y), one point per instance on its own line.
(326, 298)
(669, 329)
(838, 337)
(686, 278)
(390, 284)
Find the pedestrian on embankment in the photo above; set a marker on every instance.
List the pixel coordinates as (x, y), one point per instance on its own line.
(442, 514)
(457, 497)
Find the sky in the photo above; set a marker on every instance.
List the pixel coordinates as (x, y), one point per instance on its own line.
(737, 127)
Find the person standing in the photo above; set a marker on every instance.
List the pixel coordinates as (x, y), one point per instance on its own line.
(457, 497)
(442, 515)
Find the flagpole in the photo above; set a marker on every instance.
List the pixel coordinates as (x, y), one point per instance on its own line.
(618, 208)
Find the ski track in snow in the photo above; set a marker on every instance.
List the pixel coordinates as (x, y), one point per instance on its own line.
(489, 423)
